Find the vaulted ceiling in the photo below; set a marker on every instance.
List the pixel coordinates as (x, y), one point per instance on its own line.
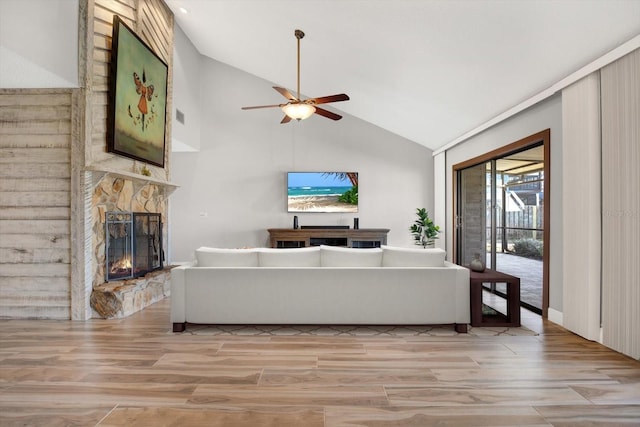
(427, 70)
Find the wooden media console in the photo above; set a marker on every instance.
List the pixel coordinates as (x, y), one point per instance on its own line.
(349, 237)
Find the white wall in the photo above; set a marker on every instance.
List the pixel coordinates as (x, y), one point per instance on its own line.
(187, 93)
(38, 43)
(544, 115)
(234, 188)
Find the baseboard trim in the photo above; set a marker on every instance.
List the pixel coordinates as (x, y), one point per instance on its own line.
(555, 316)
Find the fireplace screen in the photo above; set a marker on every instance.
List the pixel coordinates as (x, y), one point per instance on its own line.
(133, 244)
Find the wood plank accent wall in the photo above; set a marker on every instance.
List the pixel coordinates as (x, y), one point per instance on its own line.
(621, 204)
(35, 194)
(153, 21)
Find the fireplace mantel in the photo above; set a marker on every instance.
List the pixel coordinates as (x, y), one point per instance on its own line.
(100, 172)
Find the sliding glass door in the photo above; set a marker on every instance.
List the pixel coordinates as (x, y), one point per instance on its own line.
(500, 216)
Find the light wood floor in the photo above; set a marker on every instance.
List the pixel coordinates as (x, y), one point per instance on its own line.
(134, 372)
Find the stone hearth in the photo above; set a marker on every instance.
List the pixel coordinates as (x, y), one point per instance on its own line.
(123, 297)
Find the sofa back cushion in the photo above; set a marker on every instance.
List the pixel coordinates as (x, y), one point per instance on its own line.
(333, 256)
(295, 257)
(412, 257)
(219, 257)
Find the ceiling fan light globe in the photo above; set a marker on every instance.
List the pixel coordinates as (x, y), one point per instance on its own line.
(299, 111)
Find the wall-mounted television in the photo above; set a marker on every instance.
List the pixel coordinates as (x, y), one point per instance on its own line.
(322, 191)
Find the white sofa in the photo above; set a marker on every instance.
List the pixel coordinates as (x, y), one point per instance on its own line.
(320, 285)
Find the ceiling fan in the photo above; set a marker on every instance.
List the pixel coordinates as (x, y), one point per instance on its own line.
(298, 108)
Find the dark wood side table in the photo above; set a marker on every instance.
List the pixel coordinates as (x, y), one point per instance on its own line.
(512, 318)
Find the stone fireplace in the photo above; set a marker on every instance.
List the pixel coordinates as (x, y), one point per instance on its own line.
(58, 142)
(128, 240)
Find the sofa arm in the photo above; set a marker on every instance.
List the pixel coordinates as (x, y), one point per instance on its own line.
(178, 298)
(463, 297)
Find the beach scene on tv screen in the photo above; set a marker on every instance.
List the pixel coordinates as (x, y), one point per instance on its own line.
(322, 191)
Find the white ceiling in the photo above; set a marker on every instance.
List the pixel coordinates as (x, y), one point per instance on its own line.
(428, 70)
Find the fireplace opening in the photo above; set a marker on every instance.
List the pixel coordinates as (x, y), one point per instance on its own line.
(133, 244)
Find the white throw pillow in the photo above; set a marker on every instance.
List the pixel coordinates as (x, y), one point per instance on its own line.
(334, 256)
(290, 257)
(412, 257)
(219, 257)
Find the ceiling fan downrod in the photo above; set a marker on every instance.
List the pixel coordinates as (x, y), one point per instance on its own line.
(299, 35)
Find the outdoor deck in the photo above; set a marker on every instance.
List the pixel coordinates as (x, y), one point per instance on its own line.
(530, 273)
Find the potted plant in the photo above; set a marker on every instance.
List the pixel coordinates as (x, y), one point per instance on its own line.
(424, 231)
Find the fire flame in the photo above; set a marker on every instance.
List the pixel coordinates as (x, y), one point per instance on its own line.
(122, 264)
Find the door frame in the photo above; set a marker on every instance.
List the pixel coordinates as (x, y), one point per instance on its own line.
(530, 141)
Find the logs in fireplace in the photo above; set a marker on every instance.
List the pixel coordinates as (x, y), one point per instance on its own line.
(133, 244)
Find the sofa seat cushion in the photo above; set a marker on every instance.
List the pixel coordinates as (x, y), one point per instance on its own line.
(412, 257)
(220, 257)
(334, 256)
(295, 257)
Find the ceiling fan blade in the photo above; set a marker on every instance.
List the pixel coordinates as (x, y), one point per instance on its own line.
(328, 114)
(261, 106)
(331, 98)
(285, 119)
(284, 92)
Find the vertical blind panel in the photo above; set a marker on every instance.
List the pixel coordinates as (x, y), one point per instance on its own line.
(621, 204)
(581, 224)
